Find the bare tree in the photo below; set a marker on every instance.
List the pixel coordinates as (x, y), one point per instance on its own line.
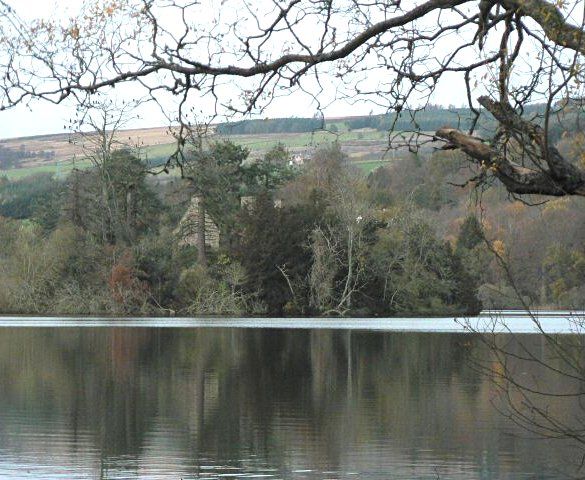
(96, 132)
(539, 381)
(241, 56)
(338, 246)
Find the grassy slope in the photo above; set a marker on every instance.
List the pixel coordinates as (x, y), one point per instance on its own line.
(365, 147)
(60, 168)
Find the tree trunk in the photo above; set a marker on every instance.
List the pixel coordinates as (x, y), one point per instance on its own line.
(200, 226)
(130, 213)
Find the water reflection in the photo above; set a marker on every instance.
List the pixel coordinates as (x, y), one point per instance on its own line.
(233, 403)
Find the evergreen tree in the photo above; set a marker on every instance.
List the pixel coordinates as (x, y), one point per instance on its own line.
(470, 234)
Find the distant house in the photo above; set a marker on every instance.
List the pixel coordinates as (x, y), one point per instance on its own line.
(187, 230)
(248, 202)
(298, 159)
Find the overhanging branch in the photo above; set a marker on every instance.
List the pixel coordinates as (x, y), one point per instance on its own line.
(517, 179)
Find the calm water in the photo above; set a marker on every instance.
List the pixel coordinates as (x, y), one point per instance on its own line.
(185, 403)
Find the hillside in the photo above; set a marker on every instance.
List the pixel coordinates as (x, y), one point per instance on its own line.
(363, 138)
(61, 152)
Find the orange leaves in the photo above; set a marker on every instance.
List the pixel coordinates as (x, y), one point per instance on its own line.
(121, 280)
(125, 286)
(111, 8)
(74, 32)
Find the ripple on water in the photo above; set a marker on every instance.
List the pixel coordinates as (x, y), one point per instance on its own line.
(202, 403)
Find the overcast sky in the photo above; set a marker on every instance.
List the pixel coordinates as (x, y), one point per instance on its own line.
(42, 118)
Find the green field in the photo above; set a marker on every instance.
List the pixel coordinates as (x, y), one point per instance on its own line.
(59, 169)
(369, 165)
(359, 144)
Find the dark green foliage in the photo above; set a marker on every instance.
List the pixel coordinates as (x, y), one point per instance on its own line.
(429, 119)
(160, 261)
(466, 284)
(275, 254)
(271, 171)
(470, 234)
(380, 185)
(221, 178)
(222, 175)
(271, 125)
(106, 240)
(411, 271)
(37, 197)
(112, 201)
(110, 244)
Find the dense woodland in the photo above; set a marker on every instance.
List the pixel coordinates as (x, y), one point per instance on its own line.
(429, 119)
(318, 239)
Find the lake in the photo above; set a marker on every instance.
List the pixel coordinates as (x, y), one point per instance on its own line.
(100, 400)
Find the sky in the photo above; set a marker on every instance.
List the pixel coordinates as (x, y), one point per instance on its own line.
(44, 118)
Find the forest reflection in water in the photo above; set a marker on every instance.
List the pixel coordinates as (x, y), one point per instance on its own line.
(235, 403)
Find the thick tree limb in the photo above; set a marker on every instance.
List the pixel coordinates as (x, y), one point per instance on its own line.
(552, 174)
(550, 18)
(517, 179)
(559, 169)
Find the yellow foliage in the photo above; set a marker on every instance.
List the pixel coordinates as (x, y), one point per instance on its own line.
(558, 288)
(499, 247)
(557, 205)
(487, 226)
(516, 208)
